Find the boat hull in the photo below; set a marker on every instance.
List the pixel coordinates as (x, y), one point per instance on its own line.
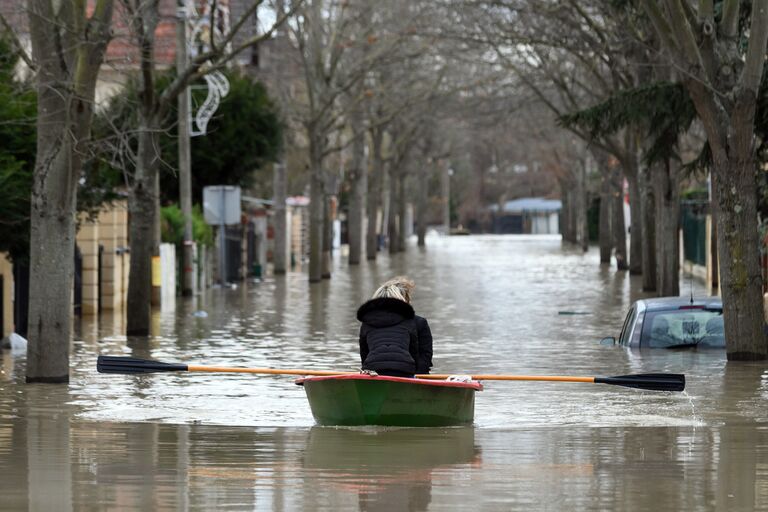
(391, 401)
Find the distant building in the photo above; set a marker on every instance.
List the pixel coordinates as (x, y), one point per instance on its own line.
(529, 215)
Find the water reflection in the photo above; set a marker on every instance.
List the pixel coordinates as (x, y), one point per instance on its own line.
(388, 469)
(50, 462)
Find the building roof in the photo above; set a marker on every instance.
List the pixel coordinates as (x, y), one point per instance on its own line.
(530, 204)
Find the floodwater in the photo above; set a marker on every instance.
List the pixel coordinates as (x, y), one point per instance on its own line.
(189, 441)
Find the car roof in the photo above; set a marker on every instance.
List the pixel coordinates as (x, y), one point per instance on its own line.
(662, 303)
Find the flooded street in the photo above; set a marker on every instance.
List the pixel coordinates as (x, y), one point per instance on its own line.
(496, 305)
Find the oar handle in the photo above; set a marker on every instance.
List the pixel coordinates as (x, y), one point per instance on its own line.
(268, 371)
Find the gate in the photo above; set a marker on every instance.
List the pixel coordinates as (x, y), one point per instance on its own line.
(234, 252)
(21, 298)
(78, 282)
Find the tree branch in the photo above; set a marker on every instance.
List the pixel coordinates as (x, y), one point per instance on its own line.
(17, 43)
(729, 25)
(755, 60)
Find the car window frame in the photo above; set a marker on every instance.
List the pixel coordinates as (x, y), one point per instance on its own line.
(628, 321)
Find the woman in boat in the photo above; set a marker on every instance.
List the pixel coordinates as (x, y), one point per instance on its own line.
(394, 341)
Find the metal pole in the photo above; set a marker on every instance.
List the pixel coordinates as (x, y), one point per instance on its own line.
(185, 165)
(223, 239)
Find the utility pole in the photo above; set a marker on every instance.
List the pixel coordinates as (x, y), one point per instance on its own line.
(281, 254)
(185, 159)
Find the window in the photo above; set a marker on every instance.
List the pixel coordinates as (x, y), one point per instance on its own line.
(625, 330)
(684, 328)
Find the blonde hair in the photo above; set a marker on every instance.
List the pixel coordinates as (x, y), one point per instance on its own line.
(399, 287)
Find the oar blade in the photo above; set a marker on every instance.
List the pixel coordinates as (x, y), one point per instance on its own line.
(650, 381)
(119, 364)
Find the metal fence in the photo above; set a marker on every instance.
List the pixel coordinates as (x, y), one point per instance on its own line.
(693, 222)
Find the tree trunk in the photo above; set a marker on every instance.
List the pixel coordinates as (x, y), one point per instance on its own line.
(575, 211)
(604, 222)
(383, 227)
(421, 205)
(392, 233)
(667, 196)
(445, 196)
(735, 205)
(402, 210)
(635, 214)
(52, 244)
(142, 209)
(374, 196)
(649, 230)
(280, 219)
(582, 223)
(327, 235)
(316, 216)
(566, 214)
(358, 177)
(68, 50)
(619, 230)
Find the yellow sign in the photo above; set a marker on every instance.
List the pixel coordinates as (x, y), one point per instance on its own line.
(156, 271)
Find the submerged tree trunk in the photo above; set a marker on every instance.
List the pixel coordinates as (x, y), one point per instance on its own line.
(316, 218)
(635, 212)
(735, 206)
(141, 206)
(619, 229)
(392, 225)
(374, 196)
(648, 204)
(358, 177)
(52, 244)
(316, 211)
(402, 212)
(566, 214)
(327, 235)
(667, 196)
(605, 234)
(582, 223)
(279, 189)
(68, 49)
(421, 205)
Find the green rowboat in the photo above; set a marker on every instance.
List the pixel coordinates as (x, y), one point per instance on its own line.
(359, 399)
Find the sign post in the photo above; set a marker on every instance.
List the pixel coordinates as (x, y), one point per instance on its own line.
(221, 207)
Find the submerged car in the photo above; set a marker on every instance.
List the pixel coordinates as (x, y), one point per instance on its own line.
(673, 322)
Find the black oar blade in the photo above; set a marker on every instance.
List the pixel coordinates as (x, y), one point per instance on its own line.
(118, 364)
(651, 381)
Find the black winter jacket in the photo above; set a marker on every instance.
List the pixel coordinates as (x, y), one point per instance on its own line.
(393, 337)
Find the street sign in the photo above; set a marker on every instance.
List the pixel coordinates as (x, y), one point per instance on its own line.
(221, 205)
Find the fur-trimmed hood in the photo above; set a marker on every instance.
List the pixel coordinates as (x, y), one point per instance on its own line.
(384, 312)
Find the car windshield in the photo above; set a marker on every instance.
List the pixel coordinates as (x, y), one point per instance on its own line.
(683, 328)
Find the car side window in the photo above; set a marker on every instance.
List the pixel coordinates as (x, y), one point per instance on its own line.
(625, 330)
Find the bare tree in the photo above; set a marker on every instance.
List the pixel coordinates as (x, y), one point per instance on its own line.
(142, 18)
(338, 44)
(723, 81)
(68, 48)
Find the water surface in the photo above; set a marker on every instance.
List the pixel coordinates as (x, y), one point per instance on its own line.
(214, 441)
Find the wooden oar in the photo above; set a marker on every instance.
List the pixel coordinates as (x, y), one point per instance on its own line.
(650, 381)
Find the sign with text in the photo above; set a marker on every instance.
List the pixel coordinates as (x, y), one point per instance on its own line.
(221, 205)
